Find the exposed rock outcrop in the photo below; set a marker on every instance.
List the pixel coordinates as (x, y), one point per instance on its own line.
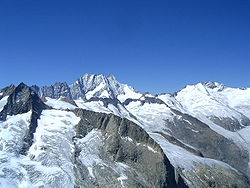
(23, 99)
(127, 143)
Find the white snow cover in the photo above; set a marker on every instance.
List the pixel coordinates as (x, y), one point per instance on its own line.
(200, 100)
(58, 104)
(53, 147)
(180, 157)
(98, 106)
(104, 87)
(128, 93)
(150, 116)
(91, 81)
(49, 160)
(236, 98)
(97, 89)
(12, 132)
(170, 101)
(3, 102)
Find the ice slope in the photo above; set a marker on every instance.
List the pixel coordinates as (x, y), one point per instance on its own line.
(58, 104)
(53, 147)
(12, 165)
(151, 116)
(3, 102)
(96, 106)
(49, 160)
(128, 93)
(198, 99)
(236, 98)
(170, 101)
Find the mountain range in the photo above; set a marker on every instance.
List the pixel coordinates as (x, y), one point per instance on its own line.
(98, 132)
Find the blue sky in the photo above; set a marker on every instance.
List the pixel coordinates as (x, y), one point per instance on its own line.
(155, 46)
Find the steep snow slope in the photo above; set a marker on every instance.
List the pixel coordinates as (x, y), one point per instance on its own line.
(151, 116)
(91, 85)
(12, 133)
(58, 104)
(199, 99)
(53, 148)
(207, 100)
(216, 100)
(49, 160)
(3, 102)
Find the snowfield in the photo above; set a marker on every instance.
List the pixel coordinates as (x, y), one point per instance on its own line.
(49, 160)
(3, 102)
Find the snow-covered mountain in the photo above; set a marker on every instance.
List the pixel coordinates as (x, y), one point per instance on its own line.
(90, 86)
(98, 132)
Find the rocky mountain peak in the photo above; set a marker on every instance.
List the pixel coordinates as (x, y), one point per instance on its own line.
(91, 81)
(214, 85)
(111, 77)
(21, 100)
(86, 87)
(55, 91)
(97, 85)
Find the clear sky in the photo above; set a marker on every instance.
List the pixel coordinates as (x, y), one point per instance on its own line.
(156, 46)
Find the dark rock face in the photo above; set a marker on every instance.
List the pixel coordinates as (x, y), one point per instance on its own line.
(149, 100)
(90, 82)
(35, 88)
(7, 91)
(56, 91)
(213, 85)
(77, 90)
(173, 140)
(127, 101)
(68, 100)
(106, 101)
(212, 145)
(231, 124)
(128, 143)
(22, 100)
(205, 176)
(152, 100)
